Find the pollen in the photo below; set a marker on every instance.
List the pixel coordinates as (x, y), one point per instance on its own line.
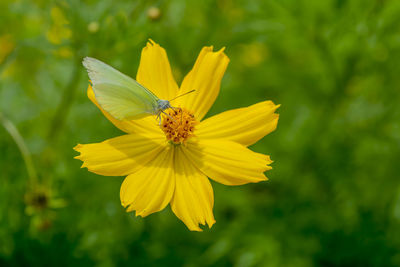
(178, 125)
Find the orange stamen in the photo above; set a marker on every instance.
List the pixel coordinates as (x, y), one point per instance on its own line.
(180, 128)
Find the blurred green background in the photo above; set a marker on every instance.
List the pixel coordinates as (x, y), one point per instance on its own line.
(333, 198)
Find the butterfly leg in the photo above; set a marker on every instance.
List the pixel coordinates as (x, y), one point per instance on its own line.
(180, 109)
(159, 119)
(168, 115)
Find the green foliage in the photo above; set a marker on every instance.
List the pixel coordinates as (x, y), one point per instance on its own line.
(333, 198)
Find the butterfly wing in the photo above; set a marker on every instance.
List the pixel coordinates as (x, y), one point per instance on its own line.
(117, 93)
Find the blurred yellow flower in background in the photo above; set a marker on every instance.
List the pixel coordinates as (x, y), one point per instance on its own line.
(59, 30)
(170, 163)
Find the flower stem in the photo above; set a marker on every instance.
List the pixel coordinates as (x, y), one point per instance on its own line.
(19, 140)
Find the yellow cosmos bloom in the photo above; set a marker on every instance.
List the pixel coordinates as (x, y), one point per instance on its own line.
(169, 163)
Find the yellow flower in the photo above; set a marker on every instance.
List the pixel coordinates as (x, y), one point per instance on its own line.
(169, 163)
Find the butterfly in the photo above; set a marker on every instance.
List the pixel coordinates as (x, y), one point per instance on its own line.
(120, 95)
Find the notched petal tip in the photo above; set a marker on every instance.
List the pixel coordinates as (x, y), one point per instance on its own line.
(131, 208)
(197, 228)
(210, 224)
(267, 166)
(218, 53)
(223, 57)
(151, 42)
(77, 147)
(268, 159)
(140, 213)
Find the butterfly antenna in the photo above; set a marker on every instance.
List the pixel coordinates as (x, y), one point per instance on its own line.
(182, 95)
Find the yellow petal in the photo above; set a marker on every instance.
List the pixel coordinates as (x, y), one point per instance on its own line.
(205, 78)
(193, 199)
(244, 125)
(147, 126)
(121, 155)
(154, 72)
(227, 162)
(150, 189)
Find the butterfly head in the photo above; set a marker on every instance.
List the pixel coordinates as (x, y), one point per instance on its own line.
(163, 104)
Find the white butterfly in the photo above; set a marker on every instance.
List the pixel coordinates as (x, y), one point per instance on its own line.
(120, 95)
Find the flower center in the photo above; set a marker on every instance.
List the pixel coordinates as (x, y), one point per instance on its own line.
(178, 126)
